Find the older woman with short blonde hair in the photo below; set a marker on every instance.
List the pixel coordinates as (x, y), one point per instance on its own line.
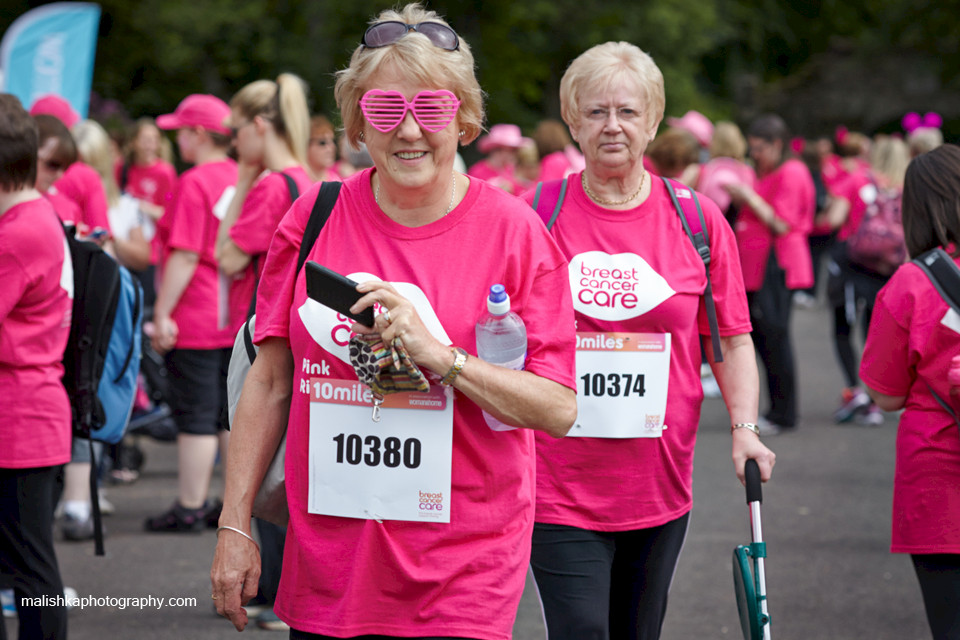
(426, 533)
(614, 496)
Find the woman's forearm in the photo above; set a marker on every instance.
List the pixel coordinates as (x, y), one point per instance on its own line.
(518, 398)
(258, 427)
(177, 274)
(737, 376)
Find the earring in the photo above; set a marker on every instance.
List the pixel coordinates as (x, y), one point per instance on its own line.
(361, 136)
(462, 132)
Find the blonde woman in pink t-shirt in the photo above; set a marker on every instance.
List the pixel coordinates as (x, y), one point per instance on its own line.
(614, 496)
(270, 123)
(425, 533)
(911, 362)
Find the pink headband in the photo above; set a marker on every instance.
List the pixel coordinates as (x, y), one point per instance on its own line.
(913, 121)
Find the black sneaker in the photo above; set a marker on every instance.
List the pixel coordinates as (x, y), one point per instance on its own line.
(212, 509)
(178, 519)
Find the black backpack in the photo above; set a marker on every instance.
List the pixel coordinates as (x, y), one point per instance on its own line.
(102, 357)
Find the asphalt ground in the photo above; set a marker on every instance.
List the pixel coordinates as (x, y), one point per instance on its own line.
(825, 514)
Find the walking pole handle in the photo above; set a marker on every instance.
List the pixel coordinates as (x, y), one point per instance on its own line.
(751, 471)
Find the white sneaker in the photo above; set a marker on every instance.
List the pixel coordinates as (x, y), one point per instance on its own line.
(106, 507)
(768, 428)
(710, 387)
(872, 416)
(69, 595)
(803, 300)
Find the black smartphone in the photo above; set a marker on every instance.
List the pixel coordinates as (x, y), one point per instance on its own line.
(336, 291)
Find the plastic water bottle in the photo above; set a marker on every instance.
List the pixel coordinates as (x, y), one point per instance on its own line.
(501, 340)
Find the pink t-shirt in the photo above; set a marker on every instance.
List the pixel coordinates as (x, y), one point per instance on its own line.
(35, 310)
(789, 190)
(155, 183)
(860, 191)
(67, 209)
(720, 172)
(833, 171)
(606, 484)
(560, 164)
(82, 184)
(347, 577)
(262, 210)
(502, 178)
(213, 306)
(913, 336)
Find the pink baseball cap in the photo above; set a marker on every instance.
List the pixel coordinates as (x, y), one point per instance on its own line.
(697, 124)
(198, 110)
(502, 135)
(53, 105)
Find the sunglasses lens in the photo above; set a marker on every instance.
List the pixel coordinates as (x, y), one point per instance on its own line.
(434, 110)
(384, 110)
(440, 35)
(384, 33)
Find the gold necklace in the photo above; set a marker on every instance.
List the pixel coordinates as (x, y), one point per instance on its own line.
(453, 195)
(610, 203)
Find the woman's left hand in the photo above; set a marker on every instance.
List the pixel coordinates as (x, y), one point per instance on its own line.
(738, 191)
(746, 445)
(398, 318)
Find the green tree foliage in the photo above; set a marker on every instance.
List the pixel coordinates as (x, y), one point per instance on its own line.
(713, 53)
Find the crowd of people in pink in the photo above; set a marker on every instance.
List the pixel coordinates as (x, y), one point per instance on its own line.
(631, 318)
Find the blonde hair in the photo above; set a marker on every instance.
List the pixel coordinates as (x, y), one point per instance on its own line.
(93, 147)
(420, 60)
(608, 65)
(924, 139)
(283, 104)
(728, 142)
(889, 157)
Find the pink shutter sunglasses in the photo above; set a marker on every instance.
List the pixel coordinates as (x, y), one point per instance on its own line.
(385, 110)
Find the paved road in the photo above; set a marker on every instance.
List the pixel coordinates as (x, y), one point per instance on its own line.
(826, 519)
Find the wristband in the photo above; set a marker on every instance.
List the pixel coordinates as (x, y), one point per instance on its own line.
(459, 359)
(245, 535)
(746, 425)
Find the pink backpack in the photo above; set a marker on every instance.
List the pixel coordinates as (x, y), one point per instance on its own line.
(878, 244)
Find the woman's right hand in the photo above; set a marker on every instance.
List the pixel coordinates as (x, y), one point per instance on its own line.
(247, 172)
(234, 576)
(165, 333)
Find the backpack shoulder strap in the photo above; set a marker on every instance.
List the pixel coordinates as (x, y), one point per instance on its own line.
(691, 217)
(943, 273)
(326, 199)
(945, 277)
(548, 200)
(291, 187)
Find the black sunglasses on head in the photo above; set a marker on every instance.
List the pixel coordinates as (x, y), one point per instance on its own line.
(389, 32)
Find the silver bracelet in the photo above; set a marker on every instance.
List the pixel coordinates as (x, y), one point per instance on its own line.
(245, 535)
(746, 425)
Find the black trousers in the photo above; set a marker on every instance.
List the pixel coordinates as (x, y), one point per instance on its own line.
(597, 585)
(28, 563)
(770, 310)
(939, 576)
(272, 538)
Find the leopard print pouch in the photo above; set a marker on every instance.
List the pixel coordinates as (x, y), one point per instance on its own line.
(385, 368)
